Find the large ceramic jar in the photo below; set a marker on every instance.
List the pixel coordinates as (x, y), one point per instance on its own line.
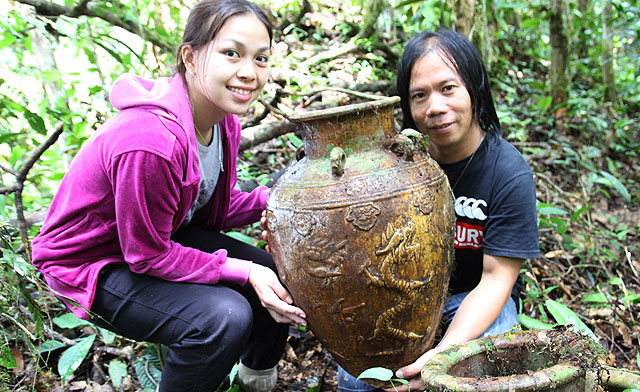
(361, 230)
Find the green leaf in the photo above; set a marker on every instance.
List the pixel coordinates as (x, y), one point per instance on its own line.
(233, 385)
(20, 266)
(378, 373)
(544, 103)
(559, 224)
(149, 368)
(633, 298)
(240, 237)
(408, 2)
(72, 357)
(296, 141)
(117, 371)
(615, 281)
(36, 122)
(7, 359)
(578, 212)
(544, 208)
(50, 345)
(617, 185)
(8, 40)
(107, 336)
(529, 23)
(532, 323)
(564, 315)
(69, 320)
(595, 298)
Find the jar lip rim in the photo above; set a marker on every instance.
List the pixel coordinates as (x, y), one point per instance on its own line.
(344, 110)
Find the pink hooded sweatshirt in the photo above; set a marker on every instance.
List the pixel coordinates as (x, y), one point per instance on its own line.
(128, 190)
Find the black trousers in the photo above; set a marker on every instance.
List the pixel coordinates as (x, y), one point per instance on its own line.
(207, 328)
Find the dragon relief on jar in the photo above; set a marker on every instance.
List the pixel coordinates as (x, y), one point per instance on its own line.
(424, 201)
(364, 217)
(303, 222)
(397, 247)
(322, 258)
(345, 314)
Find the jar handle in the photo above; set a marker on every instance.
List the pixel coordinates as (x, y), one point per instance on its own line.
(338, 158)
(402, 145)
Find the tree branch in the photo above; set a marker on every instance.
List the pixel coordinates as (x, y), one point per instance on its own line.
(8, 169)
(253, 136)
(37, 153)
(86, 8)
(21, 177)
(331, 53)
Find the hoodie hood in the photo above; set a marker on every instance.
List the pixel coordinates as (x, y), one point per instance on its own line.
(157, 95)
(166, 98)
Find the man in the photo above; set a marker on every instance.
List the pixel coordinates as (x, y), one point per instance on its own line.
(445, 95)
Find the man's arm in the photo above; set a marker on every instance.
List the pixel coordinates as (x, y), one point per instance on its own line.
(480, 308)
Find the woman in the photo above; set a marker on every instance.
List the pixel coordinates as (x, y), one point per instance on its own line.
(131, 240)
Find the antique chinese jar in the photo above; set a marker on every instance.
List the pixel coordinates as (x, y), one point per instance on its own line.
(361, 230)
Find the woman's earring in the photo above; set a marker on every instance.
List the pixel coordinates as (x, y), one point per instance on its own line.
(193, 75)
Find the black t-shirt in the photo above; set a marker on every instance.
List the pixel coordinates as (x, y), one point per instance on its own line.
(495, 206)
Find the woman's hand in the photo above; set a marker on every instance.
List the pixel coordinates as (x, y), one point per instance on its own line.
(274, 297)
(263, 223)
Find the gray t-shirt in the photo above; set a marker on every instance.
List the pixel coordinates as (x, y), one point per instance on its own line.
(210, 167)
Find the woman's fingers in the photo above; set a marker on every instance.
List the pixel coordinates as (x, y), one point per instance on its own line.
(264, 234)
(274, 297)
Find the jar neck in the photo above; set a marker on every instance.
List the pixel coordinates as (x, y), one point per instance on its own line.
(370, 126)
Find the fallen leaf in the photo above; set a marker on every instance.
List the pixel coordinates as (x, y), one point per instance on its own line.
(603, 313)
(553, 254)
(17, 354)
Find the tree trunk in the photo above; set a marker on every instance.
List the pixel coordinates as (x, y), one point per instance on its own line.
(608, 75)
(585, 7)
(463, 14)
(373, 10)
(473, 24)
(558, 31)
(484, 43)
(53, 88)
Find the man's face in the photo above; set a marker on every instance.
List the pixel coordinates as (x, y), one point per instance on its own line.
(441, 108)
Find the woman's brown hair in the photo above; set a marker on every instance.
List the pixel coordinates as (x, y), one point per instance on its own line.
(207, 17)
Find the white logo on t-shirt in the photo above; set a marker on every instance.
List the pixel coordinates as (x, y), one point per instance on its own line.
(470, 208)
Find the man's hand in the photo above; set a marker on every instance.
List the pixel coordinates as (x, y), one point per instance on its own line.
(412, 374)
(274, 297)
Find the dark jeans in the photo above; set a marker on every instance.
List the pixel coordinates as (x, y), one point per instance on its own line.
(206, 327)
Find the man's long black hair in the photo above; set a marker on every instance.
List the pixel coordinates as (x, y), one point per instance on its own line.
(467, 62)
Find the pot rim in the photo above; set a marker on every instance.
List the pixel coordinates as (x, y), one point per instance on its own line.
(344, 110)
(435, 372)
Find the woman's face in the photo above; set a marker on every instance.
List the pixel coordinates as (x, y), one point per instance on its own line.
(231, 70)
